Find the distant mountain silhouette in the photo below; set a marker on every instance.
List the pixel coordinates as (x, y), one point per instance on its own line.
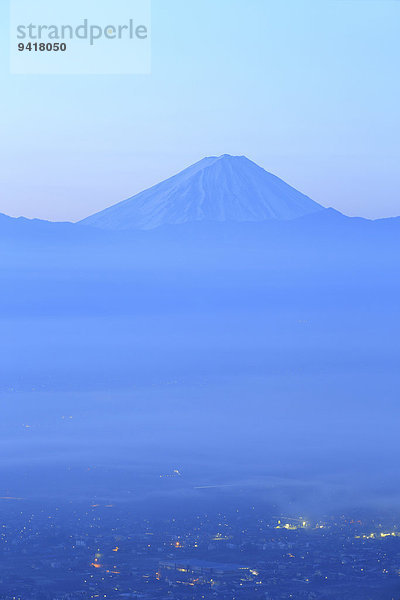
(217, 189)
(303, 301)
(39, 231)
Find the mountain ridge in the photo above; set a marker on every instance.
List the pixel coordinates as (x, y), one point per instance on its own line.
(216, 188)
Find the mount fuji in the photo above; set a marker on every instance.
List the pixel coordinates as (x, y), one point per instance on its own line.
(215, 189)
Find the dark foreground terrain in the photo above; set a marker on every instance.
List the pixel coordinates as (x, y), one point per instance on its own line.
(88, 550)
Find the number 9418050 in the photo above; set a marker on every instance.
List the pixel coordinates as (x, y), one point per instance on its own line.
(42, 47)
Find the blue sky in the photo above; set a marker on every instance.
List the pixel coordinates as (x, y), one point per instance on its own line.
(309, 89)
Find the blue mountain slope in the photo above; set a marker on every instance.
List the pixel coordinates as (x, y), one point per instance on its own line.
(15, 226)
(217, 189)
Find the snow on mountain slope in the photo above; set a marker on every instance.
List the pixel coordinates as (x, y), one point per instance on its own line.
(224, 188)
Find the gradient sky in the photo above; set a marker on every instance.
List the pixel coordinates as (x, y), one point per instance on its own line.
(309, 89)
